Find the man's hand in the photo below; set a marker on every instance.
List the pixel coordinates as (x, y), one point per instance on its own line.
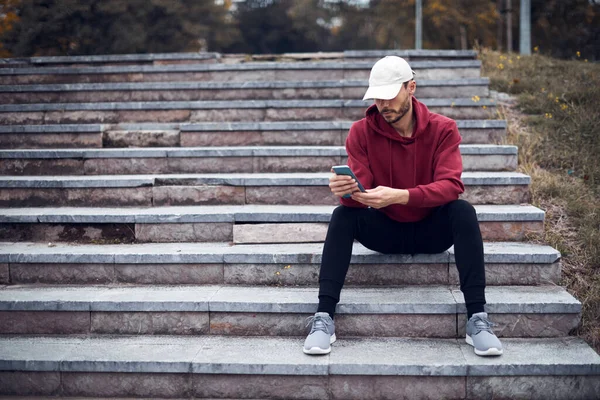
(381, 196)
(341, 185)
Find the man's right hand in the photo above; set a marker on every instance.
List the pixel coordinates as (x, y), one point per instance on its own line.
(341, 185)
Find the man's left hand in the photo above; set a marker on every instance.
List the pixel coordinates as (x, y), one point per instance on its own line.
(381, 196)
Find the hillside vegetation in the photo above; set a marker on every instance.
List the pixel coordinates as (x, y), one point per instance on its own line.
(555, 121)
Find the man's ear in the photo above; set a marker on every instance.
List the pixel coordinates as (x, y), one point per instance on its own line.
(412, 87)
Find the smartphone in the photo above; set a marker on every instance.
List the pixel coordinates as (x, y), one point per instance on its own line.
(345, 170)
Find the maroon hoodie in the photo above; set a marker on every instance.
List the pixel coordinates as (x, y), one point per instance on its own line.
(428, 163)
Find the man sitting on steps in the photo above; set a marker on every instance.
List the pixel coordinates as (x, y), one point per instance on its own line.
(409, 161)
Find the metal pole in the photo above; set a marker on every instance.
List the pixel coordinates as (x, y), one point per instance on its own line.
(525, 28)
(500, 23)
(509, 45)
(419, 25)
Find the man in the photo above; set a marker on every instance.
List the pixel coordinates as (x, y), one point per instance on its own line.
(409, 161)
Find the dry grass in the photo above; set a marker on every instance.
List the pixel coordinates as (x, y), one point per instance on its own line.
(555, 123)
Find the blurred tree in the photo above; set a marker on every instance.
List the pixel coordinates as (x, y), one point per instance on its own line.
(61, 27)
(383, 24)
(8, 18)
(279, 26)
(459, 24)
(562, 28)
(389, 24)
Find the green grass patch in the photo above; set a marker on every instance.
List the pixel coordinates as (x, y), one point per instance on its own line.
(556, 124)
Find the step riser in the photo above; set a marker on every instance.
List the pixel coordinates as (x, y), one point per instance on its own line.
(24, 97)
(296, 387)
(220, 195)
(232, 76)
(273, 324)
(230, 115)
(217, 232)
(114, 139)
(316, 232)
(50, 141)
(235, 386)
(368, 275)
(174, 165)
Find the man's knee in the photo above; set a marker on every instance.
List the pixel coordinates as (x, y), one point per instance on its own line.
(461, 208)
(342, 212)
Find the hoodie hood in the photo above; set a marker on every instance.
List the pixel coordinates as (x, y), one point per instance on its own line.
(379, 125)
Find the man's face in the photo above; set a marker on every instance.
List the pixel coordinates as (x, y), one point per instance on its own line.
(393, 110)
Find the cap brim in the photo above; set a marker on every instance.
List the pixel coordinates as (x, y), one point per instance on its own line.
(386, 92)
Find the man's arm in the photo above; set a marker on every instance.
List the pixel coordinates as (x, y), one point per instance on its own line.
(447, 170)
(382, 196)
(358, 160)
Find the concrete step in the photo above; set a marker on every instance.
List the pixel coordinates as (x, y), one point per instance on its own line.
(289, 133)
(191, 91)
(225, 72)
(223, 111)
(205, 57)
(168, 160)
(25, 263)
(410, 54)
(211, 189)
(238, 223)
(423, 311)
(220, 366)
(133, 59)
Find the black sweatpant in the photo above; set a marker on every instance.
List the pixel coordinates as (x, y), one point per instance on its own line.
(454, 223)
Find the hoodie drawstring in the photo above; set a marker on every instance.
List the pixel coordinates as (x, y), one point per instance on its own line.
(415, 164)
(390, 158)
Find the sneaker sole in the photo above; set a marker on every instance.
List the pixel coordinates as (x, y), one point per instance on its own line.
(318, 350)
(492, 351)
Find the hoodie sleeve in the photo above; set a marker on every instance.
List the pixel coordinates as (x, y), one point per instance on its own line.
(358, 161)
(447, 169)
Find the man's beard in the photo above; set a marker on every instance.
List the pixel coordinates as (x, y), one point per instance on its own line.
(401, 112)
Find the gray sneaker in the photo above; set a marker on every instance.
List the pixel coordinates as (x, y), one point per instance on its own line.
(322, 334)
(481, 337)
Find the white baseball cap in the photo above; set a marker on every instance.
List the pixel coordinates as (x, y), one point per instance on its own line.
(387, 77)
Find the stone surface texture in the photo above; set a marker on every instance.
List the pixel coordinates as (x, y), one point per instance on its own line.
(150, 138)
(62, 273)
(202, 232)
(403, 325)
(279, 233)
(196, 195)
(126, 385)
(149, 323)
(29, 383)
(396, 387)
(169, 274)
(256, 386)
(44, 322)
(516, 274)
(50, 140)
(4, 274)
(533, 387)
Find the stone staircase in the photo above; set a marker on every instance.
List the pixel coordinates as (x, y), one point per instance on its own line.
(161, 228)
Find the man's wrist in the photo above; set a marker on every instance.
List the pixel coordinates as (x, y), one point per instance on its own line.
(402, 197)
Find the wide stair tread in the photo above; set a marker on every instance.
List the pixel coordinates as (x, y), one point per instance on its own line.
(248, 355)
